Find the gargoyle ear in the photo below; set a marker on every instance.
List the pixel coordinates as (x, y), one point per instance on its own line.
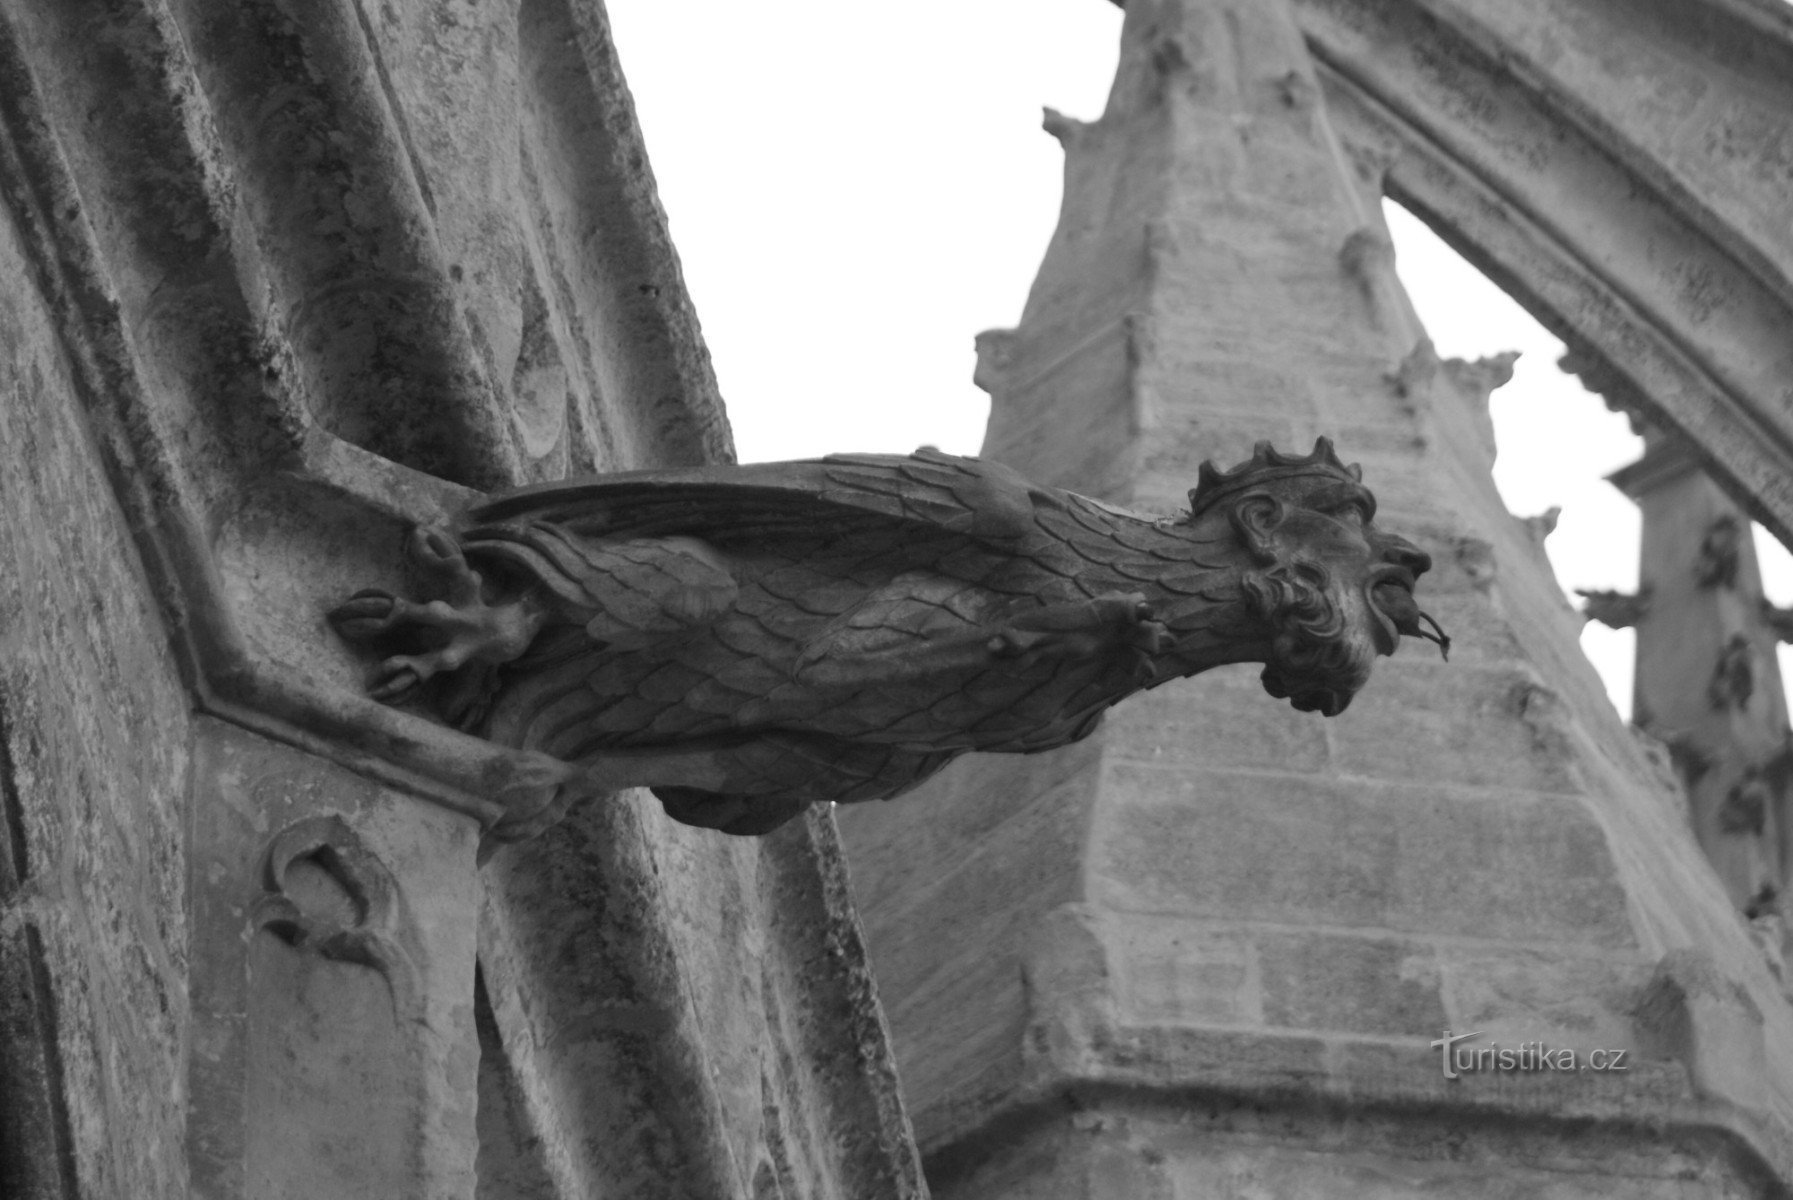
(1256, 516)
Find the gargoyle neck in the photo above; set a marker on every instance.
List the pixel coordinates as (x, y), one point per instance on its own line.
(1212, 624)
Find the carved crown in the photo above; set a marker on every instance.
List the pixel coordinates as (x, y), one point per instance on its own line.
(1267, 464)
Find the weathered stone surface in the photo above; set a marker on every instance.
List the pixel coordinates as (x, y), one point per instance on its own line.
(1121, 1146)
(289, 284)
(94, 764)
(1357, 853)
(687, 1015)
(991, 858)
(334, 1047)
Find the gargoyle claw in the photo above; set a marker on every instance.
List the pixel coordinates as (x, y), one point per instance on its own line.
(436, 551)
(397, 679)
(365, 616)
(1151, 636)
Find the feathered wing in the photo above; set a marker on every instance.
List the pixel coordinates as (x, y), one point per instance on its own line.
(837, 495)
(632, 554)
(626, 591)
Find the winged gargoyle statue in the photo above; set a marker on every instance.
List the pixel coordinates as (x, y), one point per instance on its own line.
(747, 640)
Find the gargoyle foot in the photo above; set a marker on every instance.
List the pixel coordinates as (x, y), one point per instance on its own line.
(439, 636)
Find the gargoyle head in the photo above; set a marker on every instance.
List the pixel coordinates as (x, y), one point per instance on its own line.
(1334, 590)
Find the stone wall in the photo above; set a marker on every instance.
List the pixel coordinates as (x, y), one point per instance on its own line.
(95, 766)
(288, 283)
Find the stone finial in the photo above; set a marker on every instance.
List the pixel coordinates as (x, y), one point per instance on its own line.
(1482, 376)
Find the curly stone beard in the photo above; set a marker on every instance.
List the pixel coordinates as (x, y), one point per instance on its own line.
(1316, 660)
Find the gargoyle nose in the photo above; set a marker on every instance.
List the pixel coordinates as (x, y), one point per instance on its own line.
(1403, 553)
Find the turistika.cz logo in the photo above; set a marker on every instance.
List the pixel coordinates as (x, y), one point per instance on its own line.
(1458, 1060)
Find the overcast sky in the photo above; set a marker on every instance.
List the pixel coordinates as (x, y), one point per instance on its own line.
(858, 189)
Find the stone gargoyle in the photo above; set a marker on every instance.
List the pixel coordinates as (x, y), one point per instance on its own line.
(748, 640)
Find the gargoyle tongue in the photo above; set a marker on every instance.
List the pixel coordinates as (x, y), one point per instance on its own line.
(1396, 603)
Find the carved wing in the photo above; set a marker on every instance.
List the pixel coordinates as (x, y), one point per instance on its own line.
(627, 590)
(832, 496)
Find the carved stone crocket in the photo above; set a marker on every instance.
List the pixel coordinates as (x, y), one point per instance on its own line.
(748, 640)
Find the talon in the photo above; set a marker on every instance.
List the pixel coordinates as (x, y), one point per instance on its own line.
(397, 678)
(432, 547)
(1151, 636)
(436, 550)
(365, 615)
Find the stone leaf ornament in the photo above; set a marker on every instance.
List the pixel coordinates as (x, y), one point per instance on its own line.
(748, 640)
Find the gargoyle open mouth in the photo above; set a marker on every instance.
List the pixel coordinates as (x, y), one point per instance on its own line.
(1392, 596)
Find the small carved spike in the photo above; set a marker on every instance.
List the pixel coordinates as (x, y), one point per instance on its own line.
(1065, 130)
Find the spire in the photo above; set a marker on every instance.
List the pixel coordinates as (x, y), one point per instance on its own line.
(1217, 896)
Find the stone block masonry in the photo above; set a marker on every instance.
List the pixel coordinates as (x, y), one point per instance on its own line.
(1222, 972)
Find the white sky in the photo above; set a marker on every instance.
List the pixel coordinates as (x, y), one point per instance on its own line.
(856, 190)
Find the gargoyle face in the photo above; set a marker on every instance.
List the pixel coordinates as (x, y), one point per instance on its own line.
(1336, 591)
